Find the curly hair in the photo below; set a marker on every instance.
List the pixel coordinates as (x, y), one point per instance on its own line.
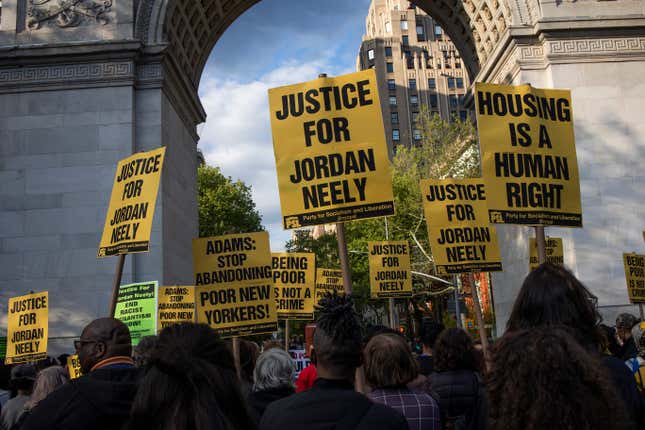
(454, 350)
(544, 379)
(337, 339)
(550, 296)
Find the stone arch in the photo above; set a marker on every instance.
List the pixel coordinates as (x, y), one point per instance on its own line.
(190, 28)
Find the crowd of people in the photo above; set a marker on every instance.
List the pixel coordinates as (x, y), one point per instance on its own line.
(555, 367)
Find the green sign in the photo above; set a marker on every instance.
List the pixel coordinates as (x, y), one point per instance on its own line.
(136, 306)
(3, 347)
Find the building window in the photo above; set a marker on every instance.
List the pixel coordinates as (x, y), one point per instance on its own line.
(389, 67)
(460, 99)
(412, 83)
(414, 100)
(437, 31)
(415, 116)
(421, 35)
(416, 134)
(395, 117)
(388, 51)
(370, 54)
(453, 101)
(391, 84)
(388, 27)
(392, 100)
(434, 101)
(460, 82)
(404, 25)
(406, 40)
(451, 83)
(396, 135)
(463, 115)
(457, 63)
(432, 83)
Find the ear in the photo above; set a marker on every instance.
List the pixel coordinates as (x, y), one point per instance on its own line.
(100, 349)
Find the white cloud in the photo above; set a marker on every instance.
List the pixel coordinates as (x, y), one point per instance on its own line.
(237, 133)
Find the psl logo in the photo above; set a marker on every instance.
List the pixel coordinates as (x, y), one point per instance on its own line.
(292, 222)
(102, 252)
(496, 217)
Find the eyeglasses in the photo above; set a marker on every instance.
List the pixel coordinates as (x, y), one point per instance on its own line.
(78, 344)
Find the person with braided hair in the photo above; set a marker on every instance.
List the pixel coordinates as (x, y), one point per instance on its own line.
(332, 403)
(191, 384)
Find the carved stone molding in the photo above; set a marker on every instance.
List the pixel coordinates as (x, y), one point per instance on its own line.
(626, 45)
(66, 73)
(67, 13)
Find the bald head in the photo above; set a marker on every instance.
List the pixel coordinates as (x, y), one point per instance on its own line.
(101, 339)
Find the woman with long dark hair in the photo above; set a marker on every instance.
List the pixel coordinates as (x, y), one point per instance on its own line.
(543, 379)
(190, 384)
(552, 296)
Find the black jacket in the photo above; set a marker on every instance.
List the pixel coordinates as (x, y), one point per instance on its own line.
(330, 405)
(461, 393)
(425, 364)
(260, 400)
(100, 400)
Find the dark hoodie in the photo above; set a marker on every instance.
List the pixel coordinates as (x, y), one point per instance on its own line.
(259, 400)
(100, 400)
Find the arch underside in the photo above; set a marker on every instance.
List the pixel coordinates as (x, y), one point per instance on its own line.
(192, 27)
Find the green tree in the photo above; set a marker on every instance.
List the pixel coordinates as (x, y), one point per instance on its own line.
(225, 206)
(325, 247)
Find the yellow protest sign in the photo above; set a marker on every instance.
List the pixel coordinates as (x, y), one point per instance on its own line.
(176, 304)
(330, 150)
(132, 205)
(234, 284)
(635, 277)
(328, 281)
(294, 277)
(461, 238)
(554, 252)
(390, 270)
(27, 327)
(528, 155)
(74, 366)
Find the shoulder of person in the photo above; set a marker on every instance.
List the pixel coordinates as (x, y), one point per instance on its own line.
(382, 417)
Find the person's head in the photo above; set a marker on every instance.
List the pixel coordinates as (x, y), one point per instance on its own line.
(191, 383)
(638, 334)
(274, 369)
(249, 352)
(141, 353)
(337, 339)
(624, 324)
(609, 342)
(543, 378)
(430, 331)
(101, 339)
(550, 296)
(389, 362)
(47, 381)
(22, 378)
(454, 350)
(62, 359)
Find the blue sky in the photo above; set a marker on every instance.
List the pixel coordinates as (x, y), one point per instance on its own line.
(276, 42)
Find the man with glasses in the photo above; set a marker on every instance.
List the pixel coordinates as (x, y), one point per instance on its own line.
(101, 398)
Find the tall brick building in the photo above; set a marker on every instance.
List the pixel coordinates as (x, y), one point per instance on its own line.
(416, 64)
